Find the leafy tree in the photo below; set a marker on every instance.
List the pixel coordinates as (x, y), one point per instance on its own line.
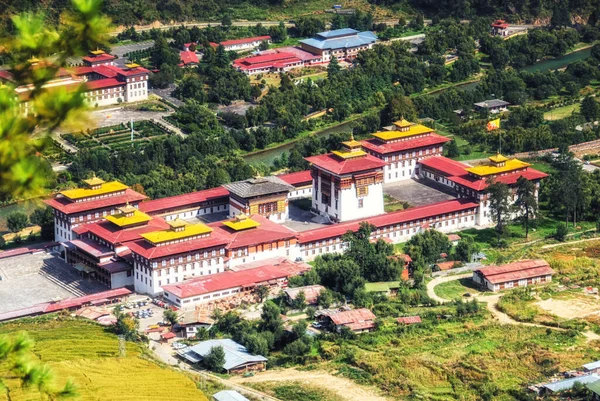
(373, 258)
(339, 273)
(83, 29)
(499, 205)
(297, 348)
(561, 232)
(568, 189)
(325, 298)
(262, 291)
(44, 217)
(590, 109)
(309, 26)
(215, 359)
(397, 108)
(452, 149)
(16, 221)
(465, 248)
(271, 318)
(226, 21)
(126, 325)
(299, 329)
(257, 344)
(17, 363)
(526, 203)
(425, 248)
(300, 301)
(171, 316)
(333, 68)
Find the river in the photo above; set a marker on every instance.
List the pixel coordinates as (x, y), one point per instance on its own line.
(267, 156)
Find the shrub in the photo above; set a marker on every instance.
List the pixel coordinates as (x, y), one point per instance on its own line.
(16, 221)
(561, 232)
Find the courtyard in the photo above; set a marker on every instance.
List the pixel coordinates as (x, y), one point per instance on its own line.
(30, 279)
(418, 192)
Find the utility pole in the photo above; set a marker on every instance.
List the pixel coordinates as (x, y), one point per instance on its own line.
(132, 132)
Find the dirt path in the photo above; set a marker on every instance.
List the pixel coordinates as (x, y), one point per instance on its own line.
(492, 306)
(439, 280)
(342, 387)
(570, 243)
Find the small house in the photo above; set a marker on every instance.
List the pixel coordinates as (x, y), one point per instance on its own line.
(453, 238)
(193, 320)
(409, 320)
(518, 274)
(492, 106)
(311, 293)
(567, 384)
(387, 288)
(358, 320)
(592, 367)
(237, 358)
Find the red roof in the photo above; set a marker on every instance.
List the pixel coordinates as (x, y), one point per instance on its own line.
(82, 70)
(233, 279)
(162, 205)
(516, 271)
(298, 178)
(114, 234)
(242, 41)
(409, 319)
(115, 266)
(6, 75)
(149, 251)
(378, 146)
(352, 316)
(264, 60)
(447, 265)
(266, 232)
(401, 216)
(103, 83)
(63, 205)
(99, 58)
(500, 23)
(168, 336)
(76, 302)
(453, 237)
(444, 165)
(479, 184)
(188, 57)
(336, 165)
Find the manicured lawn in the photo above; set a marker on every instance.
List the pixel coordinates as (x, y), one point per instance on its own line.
(456, 289)
(561, 112)
(88, 354)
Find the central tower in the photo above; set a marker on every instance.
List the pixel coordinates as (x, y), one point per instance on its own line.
(347, 184)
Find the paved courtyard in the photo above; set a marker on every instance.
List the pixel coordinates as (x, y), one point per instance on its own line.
(417, 193)
(31, 279)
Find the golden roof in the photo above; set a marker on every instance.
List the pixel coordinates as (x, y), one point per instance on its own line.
(94, 181)
(490, 169)
(415, 129)
(403, 123)
(97, 52)
(106, 188)
(132, 65)
(349, 155)
(190, 230)
(177, 223)
(122, 220)
(241, 222)
(352, 143)
(127, 209)
(498, 158)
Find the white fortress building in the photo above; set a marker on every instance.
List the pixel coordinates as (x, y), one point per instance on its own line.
(113, 234)
(347, 184)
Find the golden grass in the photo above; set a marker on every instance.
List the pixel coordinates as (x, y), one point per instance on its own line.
(88, 354)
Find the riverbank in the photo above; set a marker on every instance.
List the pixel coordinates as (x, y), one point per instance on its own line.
(262, 155)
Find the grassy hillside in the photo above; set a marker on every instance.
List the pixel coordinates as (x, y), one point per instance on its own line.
(88, 354)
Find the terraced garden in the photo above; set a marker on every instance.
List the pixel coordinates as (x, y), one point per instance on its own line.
(116, 137)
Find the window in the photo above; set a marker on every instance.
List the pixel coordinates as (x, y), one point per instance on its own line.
(360, 203)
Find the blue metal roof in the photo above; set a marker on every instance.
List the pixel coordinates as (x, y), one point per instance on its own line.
(569, 383)
(592, 365)
(235, 354)
(337, 32)
(359, 39)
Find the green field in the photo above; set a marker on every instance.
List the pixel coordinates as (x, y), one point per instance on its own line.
(456, 289)
(562, 112)
(88, 354)
(116, 137)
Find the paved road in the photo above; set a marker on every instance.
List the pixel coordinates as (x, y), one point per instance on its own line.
(439, 280)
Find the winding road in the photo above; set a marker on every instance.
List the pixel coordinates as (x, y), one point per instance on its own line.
(492, 306)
